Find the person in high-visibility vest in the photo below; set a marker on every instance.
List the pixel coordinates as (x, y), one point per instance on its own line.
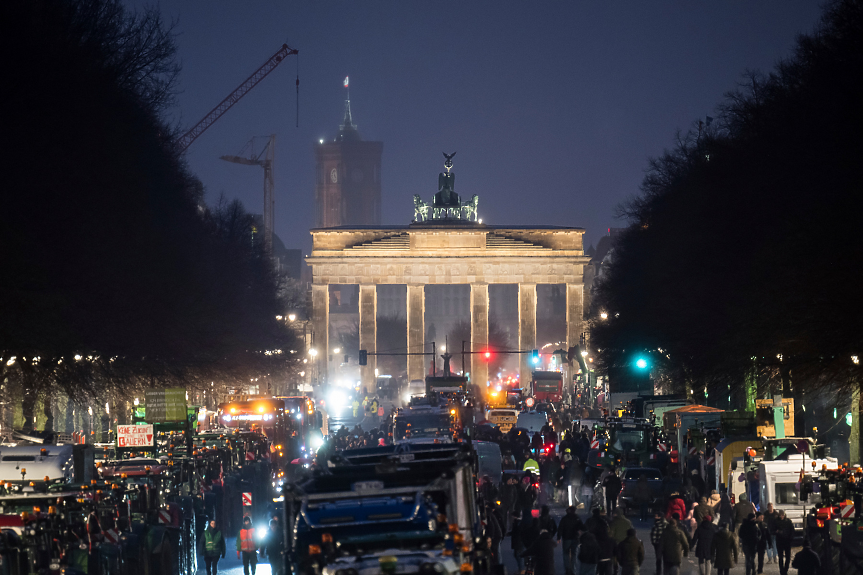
(213, 545)
(246, 544)
(356, 406)
(531, 465)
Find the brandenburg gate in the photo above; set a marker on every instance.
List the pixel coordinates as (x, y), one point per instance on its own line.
(446, 244)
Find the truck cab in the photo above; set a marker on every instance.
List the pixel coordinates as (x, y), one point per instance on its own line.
(779, 484)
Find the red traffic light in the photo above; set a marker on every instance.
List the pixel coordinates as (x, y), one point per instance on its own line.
(487, 354)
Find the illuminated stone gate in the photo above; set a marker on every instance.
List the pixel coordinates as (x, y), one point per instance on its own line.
(446, 248)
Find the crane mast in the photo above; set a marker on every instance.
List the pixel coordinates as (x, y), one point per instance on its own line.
(186, 139)
(265, 160)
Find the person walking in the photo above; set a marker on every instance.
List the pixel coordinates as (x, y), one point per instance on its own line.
(596, 522)
(674, 546)
(546, 521)
(807, 561)
(213, 546)
(612, 486)
(763, 540)
(494, 531)
(702, 540)
(274, 548)
(659, 525)
(607, 551)
(246, 545)
(630, 553)
(587, 488)
(724, 550)
(770, 518)
(568, 532)
(784, 538)
(543, 553)
(749, 537)
(619, 526)
(742, 509)
(516, 540)
(588, 554)
(642, 496)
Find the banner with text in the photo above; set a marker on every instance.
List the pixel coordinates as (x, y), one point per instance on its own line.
(134, 436)
(164, 405)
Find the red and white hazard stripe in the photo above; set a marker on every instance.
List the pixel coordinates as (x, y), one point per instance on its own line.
(661, 448)
(164, 516)
(846, 509)
(711, 460)
(112, 536)
(594, 444)
(693, 450)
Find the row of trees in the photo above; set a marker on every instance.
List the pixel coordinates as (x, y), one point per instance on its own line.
(742, 260)
(115, 274)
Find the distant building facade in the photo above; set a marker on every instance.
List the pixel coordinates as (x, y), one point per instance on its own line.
(348, 178)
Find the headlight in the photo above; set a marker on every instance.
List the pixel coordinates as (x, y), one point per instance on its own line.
(261, 532)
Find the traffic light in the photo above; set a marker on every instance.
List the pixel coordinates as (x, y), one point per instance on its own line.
(364, 357)
(534, 356)
(641, 363)
(486, 355)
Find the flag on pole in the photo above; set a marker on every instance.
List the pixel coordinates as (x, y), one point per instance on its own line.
(346, 81)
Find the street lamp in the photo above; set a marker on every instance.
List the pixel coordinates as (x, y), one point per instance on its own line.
(604, 315)
(313, 352)
(337, 350)
(292, 317)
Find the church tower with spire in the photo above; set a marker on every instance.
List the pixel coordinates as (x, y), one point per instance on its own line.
(348, 177)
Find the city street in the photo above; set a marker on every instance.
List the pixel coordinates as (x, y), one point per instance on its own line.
(233, 566)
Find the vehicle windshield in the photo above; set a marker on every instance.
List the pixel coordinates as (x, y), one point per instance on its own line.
(422, 425)
(627, 439)
(651, 474)
(132, 462)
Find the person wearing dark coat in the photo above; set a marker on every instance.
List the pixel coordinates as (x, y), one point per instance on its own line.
(516, 540)
(674, 546)
(659, 525)
(596, 522)
(724, 550)
(546, 521)
(807, 561)
(702, 540)
(543, 553)
(749, 537)
(726, 510)
(763, 541)
(588, 554)
(274, 548)
(607, 551)
(494, 531)
(613, 487)
(784, 537)
(630, 554)
(568, 532)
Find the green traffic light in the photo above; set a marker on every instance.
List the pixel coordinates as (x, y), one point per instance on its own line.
(641, 363)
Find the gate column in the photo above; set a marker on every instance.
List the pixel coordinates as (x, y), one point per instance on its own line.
(368, 334)
(478, 333)
(526, 330)
(416, 306)
(320, 329)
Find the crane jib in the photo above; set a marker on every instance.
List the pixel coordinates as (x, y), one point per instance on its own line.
(186, 139)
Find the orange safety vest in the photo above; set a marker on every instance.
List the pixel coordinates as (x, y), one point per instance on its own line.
(247, 543)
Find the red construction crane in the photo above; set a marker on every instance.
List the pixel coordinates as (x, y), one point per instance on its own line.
(186, 139)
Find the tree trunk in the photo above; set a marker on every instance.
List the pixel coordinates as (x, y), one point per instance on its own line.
(48, 409)
(28, 406)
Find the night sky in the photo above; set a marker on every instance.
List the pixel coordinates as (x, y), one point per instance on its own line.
(553, 107)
